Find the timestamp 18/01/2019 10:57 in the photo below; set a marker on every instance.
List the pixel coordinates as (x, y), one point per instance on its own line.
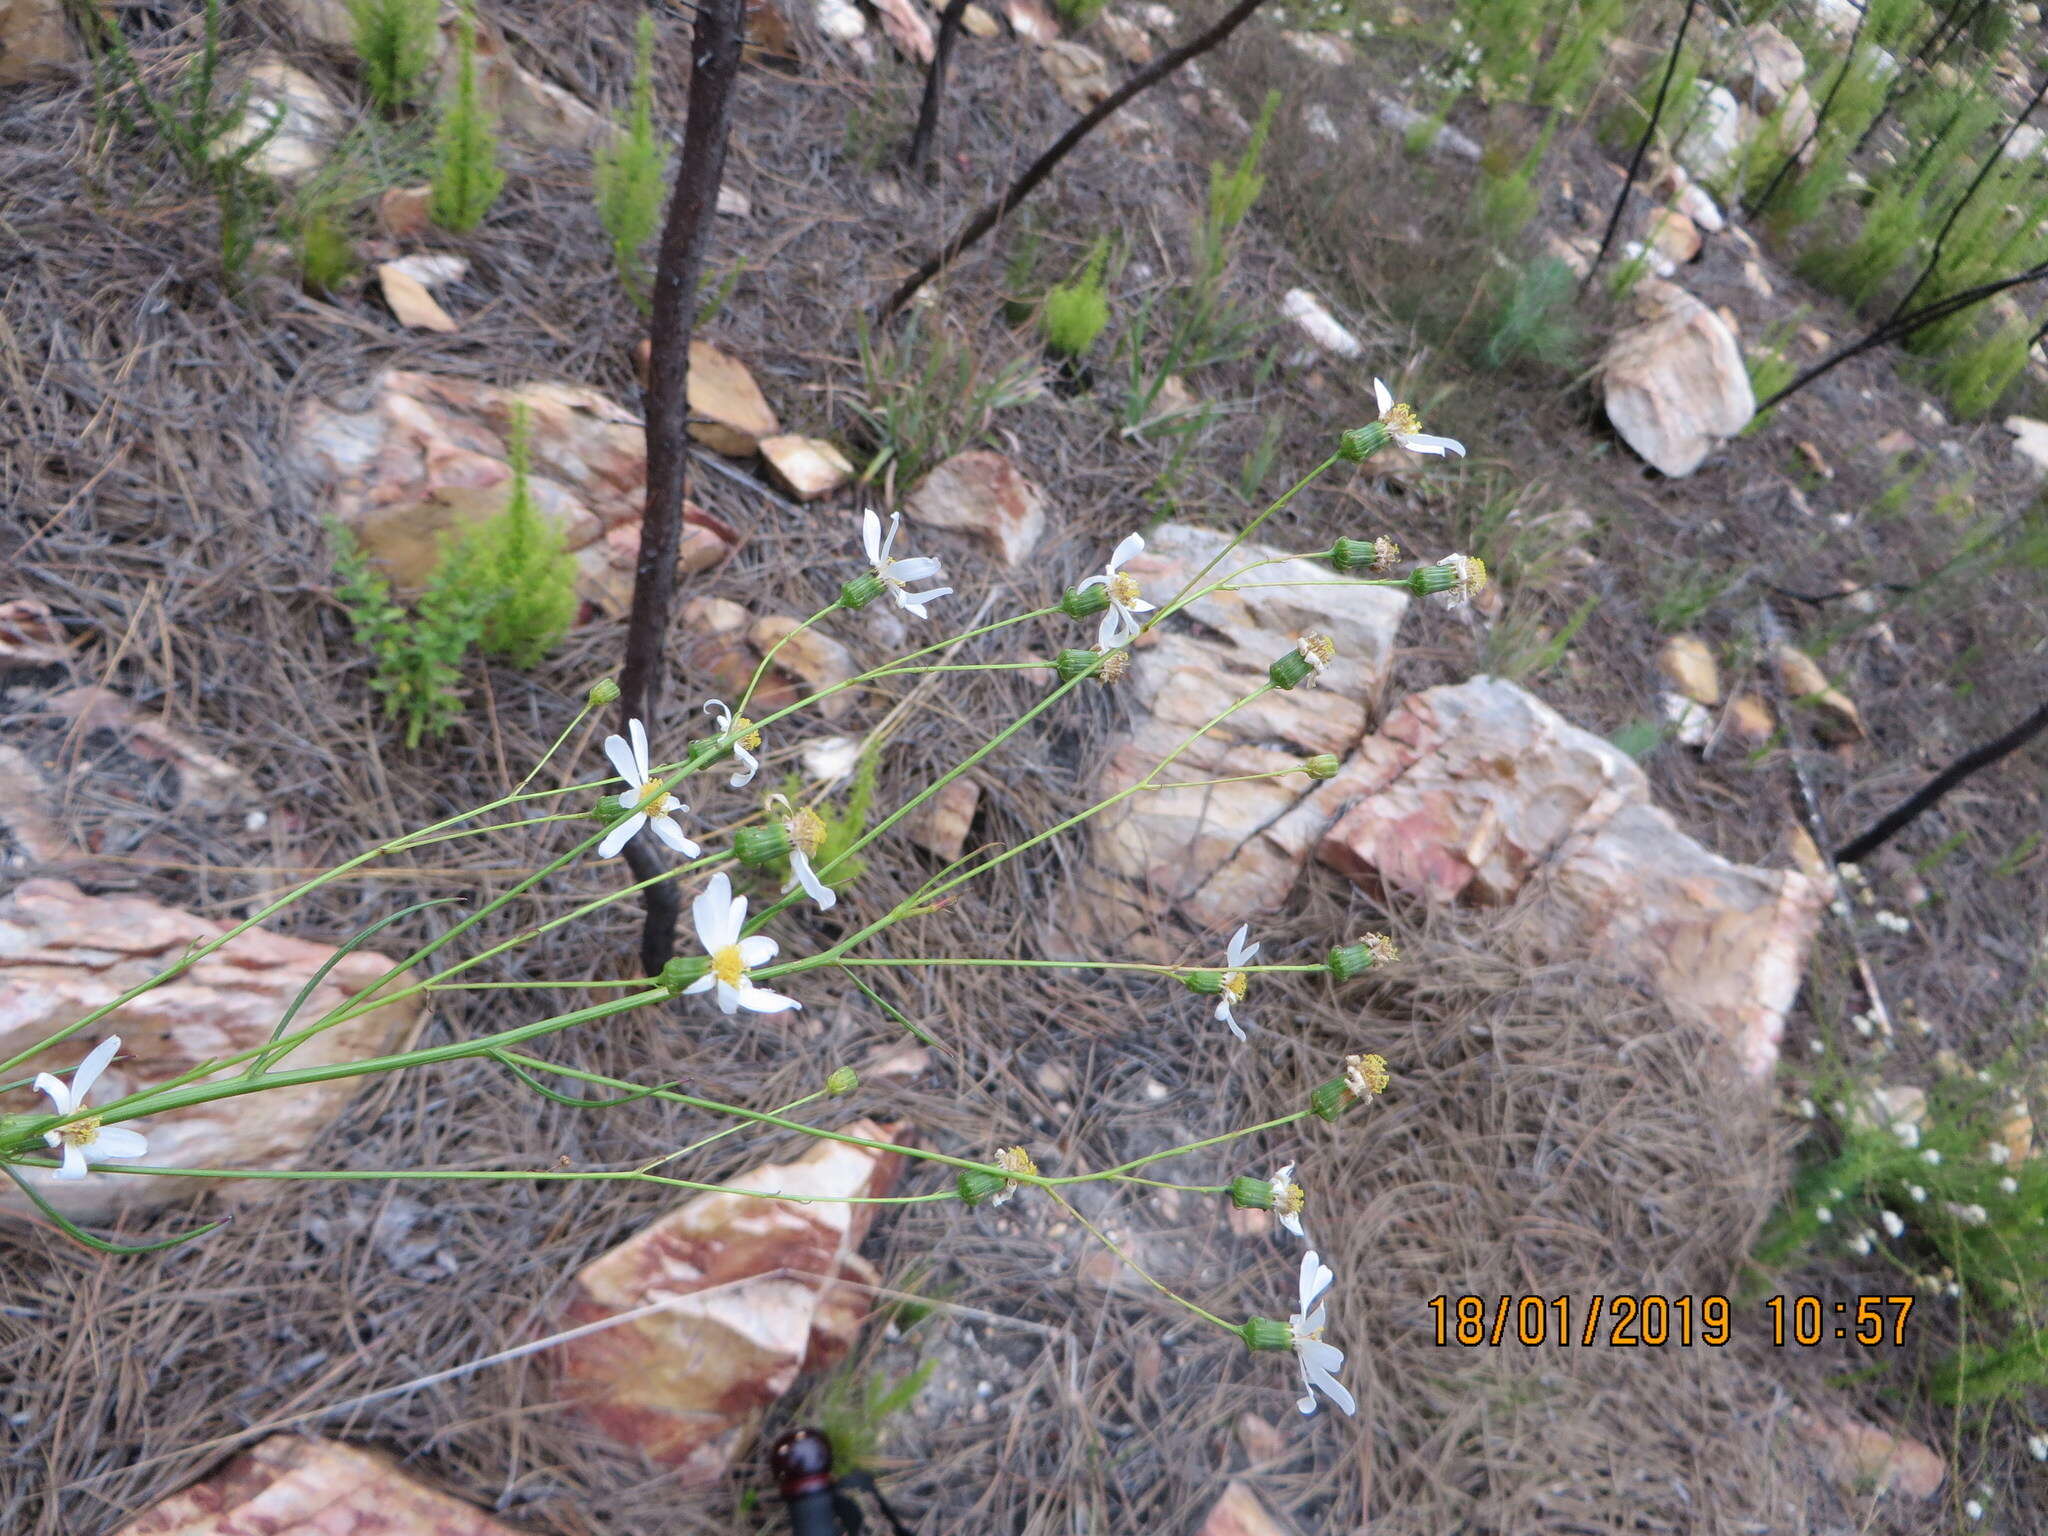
(1629, 1322)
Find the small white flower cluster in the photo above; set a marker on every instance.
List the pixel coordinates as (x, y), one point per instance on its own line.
(1891, 922)
(2037, 1447)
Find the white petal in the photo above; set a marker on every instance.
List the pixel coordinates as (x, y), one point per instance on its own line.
(74, 1163)
(1318, 1356)
(871, 536)
(913, 602)
(89, 1070)
(666, 829)
(1315, 1279)
(1132, 545)
(1223, 1012)
(1383, 395)
(708, 909)
(61, 1102)
(1092, 581)
(1237, 955)
(757, 949)
(735, 922)
(621, 755)
(703, 983)
(745, 776)
(621, 834)
(717, 707)
(639, 734)
(761, 1000)
(1333, 1389)
(1293, 1224)
(118, 1141)
(912, 570)
(1139, 605)
(1315, 1322)
(1422, 442)
(816, 889)
(728, 999)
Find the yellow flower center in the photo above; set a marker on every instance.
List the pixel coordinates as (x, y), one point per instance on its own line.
(748, 737)
(1290, 1200)
(806, 830)
(80, 1133)
(1472, 575)
(1123, 589)
(1382, 949)
(1384, 553)
(1366, 1076)
(1015, 1160)
(727, 965)
(1317, 650)
(1236, 984)
(1401, 420)
(652, 802)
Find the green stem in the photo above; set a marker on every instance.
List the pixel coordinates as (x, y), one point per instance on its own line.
(1138, 1270)
(1181, 599)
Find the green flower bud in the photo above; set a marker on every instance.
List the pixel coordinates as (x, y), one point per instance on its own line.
(1251, 1194)
(1208, 983)
(1290, 670)
(842, 1082)
(1323, 765)
(602, 692)
(1428, 580)
(978, 1184)
(1348, 961)
(860, 591)
(1071, 664)
(1329, 1099)
(1361, 443)
(1085, 602)
(1266, 1333)
(762, 847)
(681, 971)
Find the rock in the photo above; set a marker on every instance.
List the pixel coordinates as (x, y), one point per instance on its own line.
(1467, 791)
(406, 212)
(428, 458)
(33, 39)
(1838, 16)
(2030, 440)
(296, 1485)
(2016, 1133)
(411, 305)
(806, 467)
(940, 829)
(756, 1295)
(841, 19)
(206, 785)
(1078, 71)
(1815, 338)
(1688, 661)
(1162, 20)
(1655, 260)
(1575, 251)
(1030, 20)
(1691, 724)
(734, 203)
(1897, 443)
(1133, 44)
(430, 269)
(1405, 120)
(1749, 719)
(64, 953)
(1217, 855)
(817, 659)
(1804, 683)
(308, 121)
(1885, 1108)
(1322, 47)
(1863, 1459)
(1759, 284)
(976, 22)
(38, 842)
(1674, 235)
(1239, 1513)
(728, 412)
(983, 493)
(1318, 324)
(1675, 386)
(1768, 70)
(1816, 461)
(907, 29)
(1261, 1438)
(527, 109)
(1712, 146)
(1697, 204)
(1316, 119)
(1806, 855)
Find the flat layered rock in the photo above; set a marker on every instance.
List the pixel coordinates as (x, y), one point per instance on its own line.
(1675, 386)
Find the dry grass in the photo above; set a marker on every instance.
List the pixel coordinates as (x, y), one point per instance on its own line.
(1549, 1133)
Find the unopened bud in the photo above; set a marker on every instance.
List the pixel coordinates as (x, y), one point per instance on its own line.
(602, 692)
(1085, 602)
(1070, 664)
(1329, 1100)
(1290, 670)
(860, 591)
(1208, 983)
(1428, 580)
(1349, 555)
(762, 847)
(1361, 443)
(978, 1184)
(680, 972)
(1364, 954)
(1323, 765)
(1251, 1194)
(1266, 1333)
(842, 1082)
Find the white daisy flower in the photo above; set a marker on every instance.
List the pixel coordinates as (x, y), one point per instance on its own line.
(87, 1141)
(1235, 982)
(896, 574)
(1120, 624)
(1288, 1199)
(721, 918)
(644, 798)
(1405, 428)
(2008, 1185)
(2037, 1447)
(744, 745)
(806, 829)
(1469, 573)
(1318, 1361)
(1860, 1244)
(1893, 1227)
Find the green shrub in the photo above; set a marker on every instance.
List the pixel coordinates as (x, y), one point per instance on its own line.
(630, 174)
(395, 41)
(1537, 318)
(1080, 12)
(417, 657)
(1075, 313)
(327, 255)
(520, 563)
(466, 175)
(1974, 377)
(1578, 59)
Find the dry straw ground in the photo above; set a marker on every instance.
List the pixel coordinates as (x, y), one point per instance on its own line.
(1549, 1131)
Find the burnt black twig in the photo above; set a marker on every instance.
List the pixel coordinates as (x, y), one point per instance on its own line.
(1975, 760)
(1635, 161)
(919, 155)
